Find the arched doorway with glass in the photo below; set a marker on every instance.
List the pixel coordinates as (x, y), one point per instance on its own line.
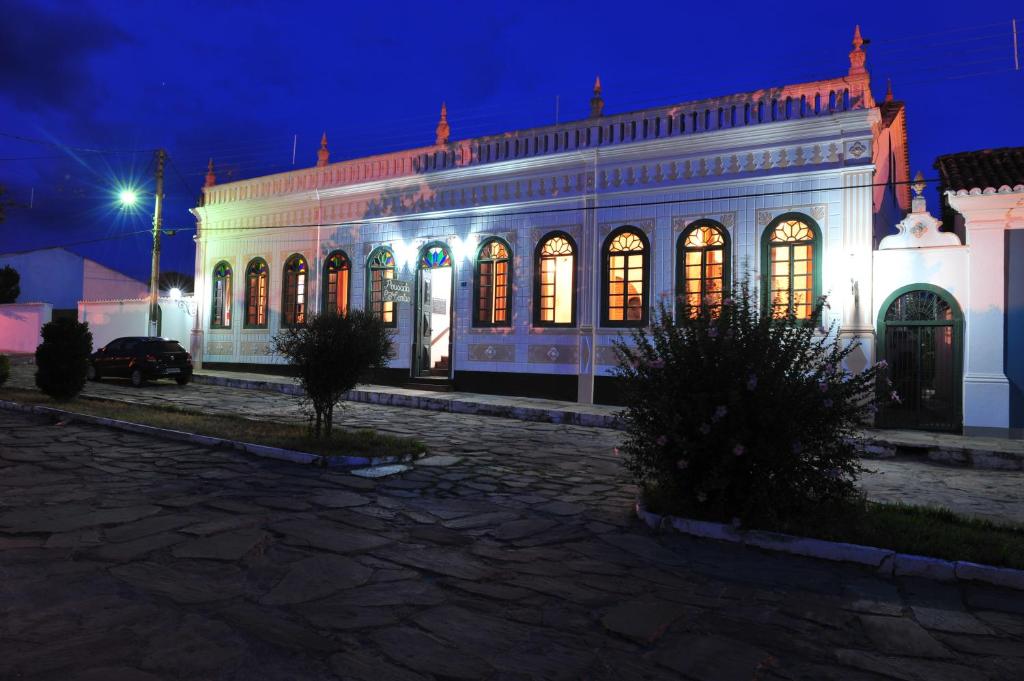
(434, 292)
(920, 333)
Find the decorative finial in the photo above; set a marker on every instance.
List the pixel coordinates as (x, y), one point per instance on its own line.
(857, 55)
(888, 90)
(919, 183)
(211, 179)
(323, 154)
(918, 204)
(596, 102)
(443, 130)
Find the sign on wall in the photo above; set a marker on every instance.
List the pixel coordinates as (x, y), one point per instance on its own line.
(397, 291)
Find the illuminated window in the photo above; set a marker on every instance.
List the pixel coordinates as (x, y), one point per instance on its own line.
(381, 266)
(493, 285)
(555, 287)
(791, 262)
(293, 298)
(702, 267)
(256, 277)
(220, 303)
(336, 283)
(625, 299)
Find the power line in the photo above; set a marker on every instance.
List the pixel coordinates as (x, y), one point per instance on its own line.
(81, 150)
(574, 209)
(112, 237)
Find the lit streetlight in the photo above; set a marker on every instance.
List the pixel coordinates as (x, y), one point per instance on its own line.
(129, 197)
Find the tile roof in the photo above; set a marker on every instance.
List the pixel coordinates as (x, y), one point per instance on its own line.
(987, 170)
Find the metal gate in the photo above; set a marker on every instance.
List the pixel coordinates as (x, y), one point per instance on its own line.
(921, 334)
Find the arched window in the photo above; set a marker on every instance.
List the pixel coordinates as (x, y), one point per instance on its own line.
(626, 261)
(493, 285)
(380, 266)
(293, 291)
(220, 302)
(702, 267)
(256, 277)
(791, 266)
(554, 291)
(336, 283)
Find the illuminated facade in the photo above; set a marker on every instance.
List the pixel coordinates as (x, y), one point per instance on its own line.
(528, 252)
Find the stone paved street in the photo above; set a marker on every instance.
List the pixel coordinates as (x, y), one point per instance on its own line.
(992, 494)
(510, 553)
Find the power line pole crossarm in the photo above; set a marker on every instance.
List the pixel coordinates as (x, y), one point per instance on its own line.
(158, 218)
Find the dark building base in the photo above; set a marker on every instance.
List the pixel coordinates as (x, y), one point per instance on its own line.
(545, 386)
(562, 387)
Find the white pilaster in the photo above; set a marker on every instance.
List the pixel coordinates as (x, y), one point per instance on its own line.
(852, 259)
(986, 388)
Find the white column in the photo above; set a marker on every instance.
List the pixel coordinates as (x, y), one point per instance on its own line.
(986, 388)
(852, 258)
(199, 293)
(587, 290)
(852, 262)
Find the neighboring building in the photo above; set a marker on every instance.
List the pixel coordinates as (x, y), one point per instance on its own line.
(62, 278)
(528, 252)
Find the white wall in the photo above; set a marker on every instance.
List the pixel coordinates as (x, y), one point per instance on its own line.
(110, 319)
(20, 324)
(944, 266)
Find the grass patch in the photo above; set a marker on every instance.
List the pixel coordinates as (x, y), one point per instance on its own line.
(343, 442)
(918, 530)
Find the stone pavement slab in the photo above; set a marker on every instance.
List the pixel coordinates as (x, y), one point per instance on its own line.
(394, 586)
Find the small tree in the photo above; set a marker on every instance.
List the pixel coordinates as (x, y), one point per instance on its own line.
(63, 358)
(331, 352)
(5, 368)
(732, 414)
(9, 284)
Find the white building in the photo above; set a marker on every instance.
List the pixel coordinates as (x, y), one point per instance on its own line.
(527, 252)
(62, 278)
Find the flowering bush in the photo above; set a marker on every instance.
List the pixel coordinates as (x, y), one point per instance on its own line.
(733, 415)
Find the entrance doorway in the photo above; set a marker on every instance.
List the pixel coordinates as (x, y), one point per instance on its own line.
(921, 331)
(433, 342)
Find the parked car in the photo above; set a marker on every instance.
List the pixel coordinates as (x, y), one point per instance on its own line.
(141, 359)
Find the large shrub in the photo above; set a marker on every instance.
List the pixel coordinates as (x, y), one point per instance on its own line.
(10, 287)
(734, 415)
(5, 368)
(63, 357)
(330, 353)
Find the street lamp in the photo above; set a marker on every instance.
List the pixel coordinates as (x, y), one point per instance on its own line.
(129, 197)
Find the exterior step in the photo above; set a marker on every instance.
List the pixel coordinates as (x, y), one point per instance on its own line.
(440, 384)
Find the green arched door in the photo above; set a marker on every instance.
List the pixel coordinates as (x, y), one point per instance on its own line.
(921, 337)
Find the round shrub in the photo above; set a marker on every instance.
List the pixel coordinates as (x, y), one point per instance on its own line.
(734, 415)
(62, 358)
(5, 368)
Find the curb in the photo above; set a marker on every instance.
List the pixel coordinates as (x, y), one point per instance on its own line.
(263, 451)
(885, 562)
(444, 404)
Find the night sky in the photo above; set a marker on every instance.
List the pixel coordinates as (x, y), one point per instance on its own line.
(237, 81)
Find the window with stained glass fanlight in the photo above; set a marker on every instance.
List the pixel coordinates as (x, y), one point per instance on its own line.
(435, 256)
(702, 269)
(293, 299)
(257, 276)
(493, 286)
(556, 270)
(337, 272)
(791, 275)
(626, 265)
(381, 266)
(220, 302)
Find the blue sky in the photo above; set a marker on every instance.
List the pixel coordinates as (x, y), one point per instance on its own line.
(237, 81)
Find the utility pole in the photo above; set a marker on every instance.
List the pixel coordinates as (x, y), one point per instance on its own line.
(158, 218)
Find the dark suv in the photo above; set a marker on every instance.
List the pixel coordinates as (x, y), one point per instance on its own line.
(141, 358)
